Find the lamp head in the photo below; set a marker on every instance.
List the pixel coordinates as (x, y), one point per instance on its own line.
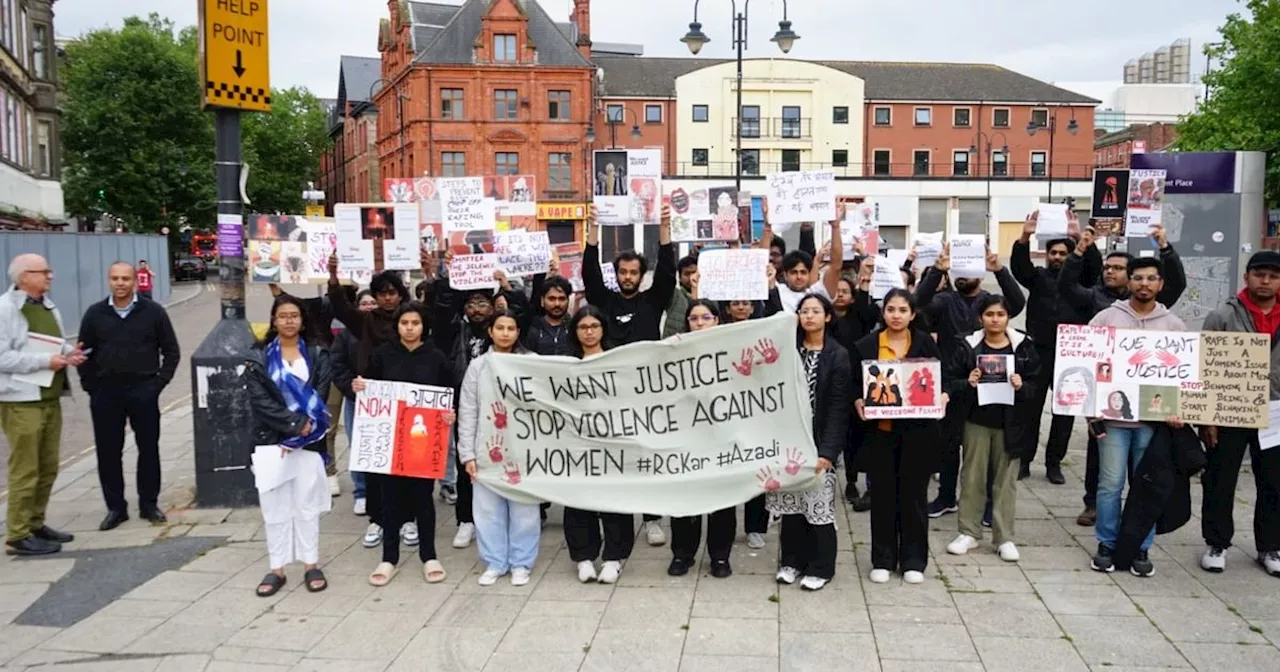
(635, 131)
(695, 38)
(591, 134)
(785, 37)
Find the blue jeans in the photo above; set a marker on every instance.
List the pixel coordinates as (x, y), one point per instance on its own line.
(507, 531)
(348, 417)
(1121, 447)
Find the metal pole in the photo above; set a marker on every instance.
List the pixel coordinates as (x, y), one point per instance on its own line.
(400, 114)
(1053, 126)
(739, 22)
(227, 161)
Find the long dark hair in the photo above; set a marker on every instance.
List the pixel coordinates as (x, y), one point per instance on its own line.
(827, 308)
(991, 300)
(710, 305)
(583, 313)
(493, 319)
(304, 333)
(412, 307)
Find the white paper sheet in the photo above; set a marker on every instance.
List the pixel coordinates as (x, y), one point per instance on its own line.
(40, 344)
(1052, 222)
(1270, 437)
(968, 256)
(270, 468)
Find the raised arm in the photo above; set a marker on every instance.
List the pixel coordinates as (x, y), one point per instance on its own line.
(664, 276)
(1008, 286)
(343, 311)
(1175, 276)
(831, 276)
(592, 278)
(1069, 287)
(1024, 271)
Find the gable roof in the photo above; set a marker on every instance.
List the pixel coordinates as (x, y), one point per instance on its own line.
(426, 20)
(455, 41)
(887, 81)
(356, 75)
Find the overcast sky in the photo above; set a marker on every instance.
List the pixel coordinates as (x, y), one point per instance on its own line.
(1082, 44)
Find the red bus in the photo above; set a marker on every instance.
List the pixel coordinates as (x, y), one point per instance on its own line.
(204, 245)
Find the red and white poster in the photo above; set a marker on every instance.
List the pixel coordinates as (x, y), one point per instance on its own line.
(400, 430)
(902, 389)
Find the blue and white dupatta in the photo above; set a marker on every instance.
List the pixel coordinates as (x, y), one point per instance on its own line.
(299, 396)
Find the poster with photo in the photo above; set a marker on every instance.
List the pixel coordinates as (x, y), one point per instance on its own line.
(275, 227)
(710, 214)
(398, 190)
(627, 186)
(901, 389)
(519, 211)
(264, 260)
(570, 256)
(1145, 202)
(1082, 351)
(367, 229)
(521, 199)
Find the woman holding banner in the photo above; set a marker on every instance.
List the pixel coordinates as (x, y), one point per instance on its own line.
(582, 528)
(808, 537)
(899, 455)
(507, 531)
(411, 359)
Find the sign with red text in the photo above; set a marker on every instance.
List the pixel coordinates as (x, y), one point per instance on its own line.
(733, 275)
(400, 430)
(902, 389)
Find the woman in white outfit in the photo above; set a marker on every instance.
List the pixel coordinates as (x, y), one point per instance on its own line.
(288, 383)
(507, 531)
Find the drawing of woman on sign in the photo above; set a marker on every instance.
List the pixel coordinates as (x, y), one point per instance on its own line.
(725, 214)
(921, 388)
(1074, 392)
(1118, 407)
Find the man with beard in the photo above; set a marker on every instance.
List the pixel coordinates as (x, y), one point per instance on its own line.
(1045, 311)
(547, 332)
(953, 314)
(800, 275)
(1088, 301)
(675, 323)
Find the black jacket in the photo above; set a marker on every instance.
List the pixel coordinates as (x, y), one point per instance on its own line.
(542, 338)
(955, 316)
(1018, 418)
(424, 365)
(634, 319)
(1089, 301)
(1045, 309)
(370, 328)
(141, 347)
(342, 358)
(454, 335)
(924, 435)
(831, 407)
(272, 420)
(1160, 490)
(862, 318)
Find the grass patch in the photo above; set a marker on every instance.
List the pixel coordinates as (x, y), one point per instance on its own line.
(774, 598)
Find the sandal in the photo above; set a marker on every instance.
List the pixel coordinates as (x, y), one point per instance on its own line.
(433, 571)
(272, 582)
(382, 574)
(312, 577)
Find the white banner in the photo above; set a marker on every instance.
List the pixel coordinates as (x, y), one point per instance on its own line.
(690, 425)
(398, 429)
(522, 252)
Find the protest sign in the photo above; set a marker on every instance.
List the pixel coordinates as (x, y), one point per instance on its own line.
(612, 190)
(928, 246)
(679, 427)
(887, 274)
(610, 276)
(401, 251)
(902, 389)
(733, 275)
(463, 204)
(802, 196)
(365, 228)
(473, 271)
(704, 214)
(968, 256)
(1145, 202)
(1235, 382)
(1109, 201)
(1052, 221)
(644, 178)
(523, 252)
(400, 430)
(570, 255)
(1083, 355)
(995, 384)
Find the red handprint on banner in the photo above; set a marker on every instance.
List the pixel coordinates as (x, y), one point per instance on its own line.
(767, 350)
(1168, 358)
(495, 449)
(748, 360)
(794, 461)
(511, 473)
(768, 480)
(1139, 357)
(499, 415)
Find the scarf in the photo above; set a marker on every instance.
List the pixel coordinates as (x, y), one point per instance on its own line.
(299, 396)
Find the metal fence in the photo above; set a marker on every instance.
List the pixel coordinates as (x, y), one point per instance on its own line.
(80, 261)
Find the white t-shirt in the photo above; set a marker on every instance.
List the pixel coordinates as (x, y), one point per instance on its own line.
(791, 299)
(297, 368)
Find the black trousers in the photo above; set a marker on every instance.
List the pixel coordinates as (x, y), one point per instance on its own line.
(111, 404)
(851, 448)
(582, 534)
(899, 503)
(464, 487)
(808, 548)
(407, 499)
(1055, 448)
(649, 517)
(755, 517)
(1091, 474)
(686, 535)
(1216, 520)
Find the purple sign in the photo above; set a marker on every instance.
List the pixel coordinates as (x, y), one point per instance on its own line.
(1192, 172)
(230, 240)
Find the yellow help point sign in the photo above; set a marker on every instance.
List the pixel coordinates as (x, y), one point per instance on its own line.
(233, 54)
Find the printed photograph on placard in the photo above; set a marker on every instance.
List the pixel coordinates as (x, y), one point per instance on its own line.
(902, 389)
(1145, 190)
(1118, 402)
(377, 223)
(293, 262)
(495, 187)
(611, 173)
(644, 200)
(274, 227)
(264, 260)
(723, 202)
(1157, 402)
(399, 190)
(429, 236)
(471, 242)
(522, 196)
(993, 369)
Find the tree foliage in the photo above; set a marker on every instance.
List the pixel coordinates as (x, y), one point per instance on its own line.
(133, 130)
(1243, 109)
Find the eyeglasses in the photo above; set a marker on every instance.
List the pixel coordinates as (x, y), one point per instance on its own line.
(702, 318)
(589, 327)
(478, 304)
(41, 271)
(288, 318)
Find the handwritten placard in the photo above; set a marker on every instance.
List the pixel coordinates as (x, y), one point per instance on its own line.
(463, 204)
(399, 429)
(1235, 381)
(887, 274)
(733, 275)
(473, 271)
(802, 196)
(523, 252)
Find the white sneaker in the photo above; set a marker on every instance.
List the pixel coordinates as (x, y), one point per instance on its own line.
(448, 494)
(813, 583)
(360, 508)
(755, 540)
(880, 576)
(409, 534)
(788, 575)
(466, 532)
(609, 571)
(1271, 562)
(962, 544)
(1008, 552)
(1214, 560)
(653, 531)
(489, 577)
(372, 536)
(519, 576)
(586, 571)
(912, 576)
(335, 488)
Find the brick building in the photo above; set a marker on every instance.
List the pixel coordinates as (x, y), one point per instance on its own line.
(349, 169)
(1112, 150)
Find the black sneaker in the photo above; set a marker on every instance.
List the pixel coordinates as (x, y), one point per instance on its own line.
(851, 492)
(49, 534)
(1053, 472)
(720, 569)
(1101, 561)
(678, 567)
(862, 503)
(32, 545)
(1024, 471)
(1142, 565)
(939, 508)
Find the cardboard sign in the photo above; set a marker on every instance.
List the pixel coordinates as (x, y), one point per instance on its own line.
(802, 196)
(473, 271)
(399, 429)
(902, 389)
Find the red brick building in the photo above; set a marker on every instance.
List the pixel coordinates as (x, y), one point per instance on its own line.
(1113, 149)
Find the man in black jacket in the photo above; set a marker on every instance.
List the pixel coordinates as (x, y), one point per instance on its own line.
(132, 355)
(547, 332)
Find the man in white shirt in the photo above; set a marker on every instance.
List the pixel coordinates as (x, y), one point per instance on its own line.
(800, 276)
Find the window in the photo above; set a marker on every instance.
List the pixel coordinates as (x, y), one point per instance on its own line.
(790, 121)
(750, 126)
(750, 162)
(999, 164)
(453, 164)
(884, 116)
(44, 157)
(920, 162)
(504, 47)
(1038, 160)
(614, 113)
(924, 116)
(508, 163)
(880, 162)
(1040, 117)
(1000, 117)
(839, 115)
(450, 103)
(960, 117)
(653, 114)
(960, 163)
(701, 113)
(840, 158)
(504, 105)
(39, 49)
(558, 105)
(558, 170)
(700, 157)
(790, 160)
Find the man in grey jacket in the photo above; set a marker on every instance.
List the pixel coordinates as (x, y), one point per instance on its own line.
(1253, 310)
(33, 378)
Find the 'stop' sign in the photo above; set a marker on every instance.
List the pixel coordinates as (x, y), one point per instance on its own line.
(233, 54)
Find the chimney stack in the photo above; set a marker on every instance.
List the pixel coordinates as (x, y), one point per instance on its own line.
(582, 22)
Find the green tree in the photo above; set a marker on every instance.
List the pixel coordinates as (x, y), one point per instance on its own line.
(283, 150)
(1243, 109)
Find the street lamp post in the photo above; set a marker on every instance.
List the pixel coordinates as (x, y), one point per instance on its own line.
(1004, 151)
(695, 39)
(613, 126)
(400, 98)
(1052, 127)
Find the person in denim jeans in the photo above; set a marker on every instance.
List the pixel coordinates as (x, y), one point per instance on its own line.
(1123, 442)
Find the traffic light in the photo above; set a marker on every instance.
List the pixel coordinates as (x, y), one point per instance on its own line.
(102, 194)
